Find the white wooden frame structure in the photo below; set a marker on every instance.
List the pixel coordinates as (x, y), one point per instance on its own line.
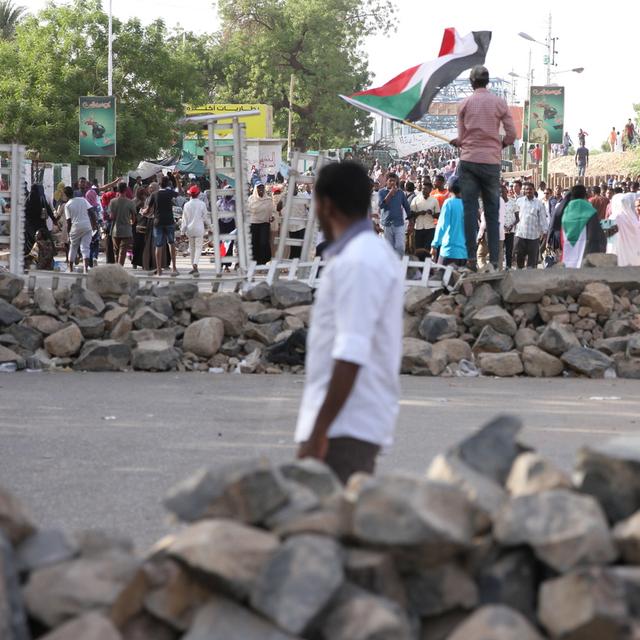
(12, 245)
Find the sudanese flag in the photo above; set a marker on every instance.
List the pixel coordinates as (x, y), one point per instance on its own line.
(409, 95)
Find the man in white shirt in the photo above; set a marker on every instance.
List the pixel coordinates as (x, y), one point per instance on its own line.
(80, 226)
(350, 402)
(194, 223)
(532, 226)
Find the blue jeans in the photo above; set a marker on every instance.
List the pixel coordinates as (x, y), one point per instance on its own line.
(582, 169)
(475, 180)
(395, 237)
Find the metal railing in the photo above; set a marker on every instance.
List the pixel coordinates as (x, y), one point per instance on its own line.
(12, 223)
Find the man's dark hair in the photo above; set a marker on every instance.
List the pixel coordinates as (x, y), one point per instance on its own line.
(454, 187)
(596, 190)
(517, 182)
(346, 184)
(164, 183)
(122, 187)
(440, 177)
(68, 191)
(635, 186)
(578, 192)
(410, 186)
(392, 175)
(618, 190)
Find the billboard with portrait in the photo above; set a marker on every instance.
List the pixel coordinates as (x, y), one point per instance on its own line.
(546, 115)
(98, 126)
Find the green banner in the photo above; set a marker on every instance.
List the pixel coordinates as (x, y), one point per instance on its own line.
(98, 126)
(546, 115)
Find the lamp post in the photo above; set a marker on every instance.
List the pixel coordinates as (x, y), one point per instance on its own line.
(110, 80)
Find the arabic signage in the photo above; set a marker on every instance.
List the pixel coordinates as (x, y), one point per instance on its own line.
(98, 126)
(260, 126)
(546, 115)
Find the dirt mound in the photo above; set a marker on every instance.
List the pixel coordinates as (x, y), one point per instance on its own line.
(601, 164)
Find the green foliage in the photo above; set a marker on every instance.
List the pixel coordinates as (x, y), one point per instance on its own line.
(61, 54)
(263, 42)
(10, 15)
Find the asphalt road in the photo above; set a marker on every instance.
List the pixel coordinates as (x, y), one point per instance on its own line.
(100, 450)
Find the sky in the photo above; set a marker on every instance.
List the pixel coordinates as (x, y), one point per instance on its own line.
(596, 100)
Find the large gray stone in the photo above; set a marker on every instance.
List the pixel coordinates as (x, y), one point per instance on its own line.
(418, 357)
(503, 365)
(484, 295)
(265, 316)
(564, 529)
(435, 517)
(417, 299)
(314, 475)
(611, 473)
(588, 362)
(154, 355)
(9, 314)
(599, 297)
(490, 341)
(285, 294)
(103, 355)
(540, 364)
(44, 324)
(629, 369)
(359, 615)
(611, 346)
(27, 338)
(64, 343)
(81, 297)
(376, 572)
(167, 335)
(265, 333)
(222, 619)
(148, 318)
(91, 626)
(248, 491)
(10, 286)
(180, 294)
(204, 337)
(45, 302)
(62, 591)
(438, 326)
(452, 350)
(440, 589)
(15, 521)
(493, 448)
(525, 338)
(299, 581)
(44, 548)
(557, 339)
(228, 552)
(495, 622)
(256, 292)
(92, 328)
(588, 603)
(13, 620)
(496, 317)
(111, 281)
(531, 473)
(226, 306)
(8, 355)
(626, 534)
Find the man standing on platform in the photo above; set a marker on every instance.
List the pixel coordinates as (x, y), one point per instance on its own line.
(479, 120)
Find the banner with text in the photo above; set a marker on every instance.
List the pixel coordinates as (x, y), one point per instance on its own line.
(98, 126)
(546, 115)
(407, 145)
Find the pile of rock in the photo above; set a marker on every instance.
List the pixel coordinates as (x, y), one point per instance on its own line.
(536, 323)
(493, 542)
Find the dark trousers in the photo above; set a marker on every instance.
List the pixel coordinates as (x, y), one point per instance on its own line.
(528, 250)
(423, 238)
(347, 456)
(296, 252)
(508, 248)
(261, 242)
(481, 180)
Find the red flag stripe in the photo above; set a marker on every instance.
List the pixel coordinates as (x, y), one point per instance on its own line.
(448, 42)
(397, 85)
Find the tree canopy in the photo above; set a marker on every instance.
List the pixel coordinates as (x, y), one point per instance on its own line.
(10, 15)
(61, 54)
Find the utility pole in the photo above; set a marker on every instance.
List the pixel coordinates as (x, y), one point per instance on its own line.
(110, 81)
(290, 129)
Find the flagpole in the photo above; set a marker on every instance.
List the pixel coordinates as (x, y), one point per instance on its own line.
(417, 127)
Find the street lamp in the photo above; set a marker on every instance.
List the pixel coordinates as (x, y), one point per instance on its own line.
(575, 70)
(526, 36)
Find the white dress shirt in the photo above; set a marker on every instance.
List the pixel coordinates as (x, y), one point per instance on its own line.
(357, 317)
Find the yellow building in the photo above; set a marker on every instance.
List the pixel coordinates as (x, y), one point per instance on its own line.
(257, 126)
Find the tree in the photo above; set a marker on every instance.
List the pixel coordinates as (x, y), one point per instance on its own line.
(61, 54)
(263, 42)
(10, 15)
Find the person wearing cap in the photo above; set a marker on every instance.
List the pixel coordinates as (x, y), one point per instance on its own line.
(194, 223)
(479, 119)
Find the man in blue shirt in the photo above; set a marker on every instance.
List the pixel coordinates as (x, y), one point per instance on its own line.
(392, 203)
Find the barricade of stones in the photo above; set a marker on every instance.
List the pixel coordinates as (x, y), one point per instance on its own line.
(537, 323)
(493, 542)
